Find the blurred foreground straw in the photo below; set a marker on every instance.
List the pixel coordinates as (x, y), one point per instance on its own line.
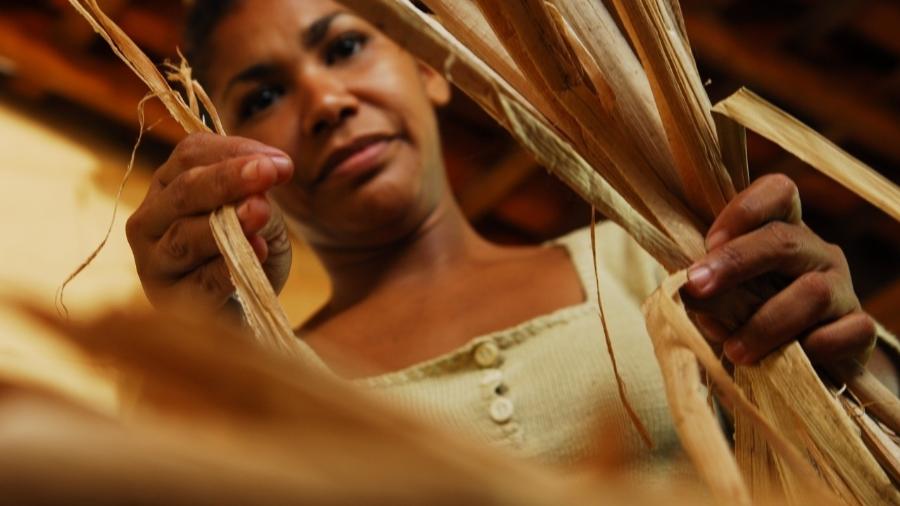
(209, 417)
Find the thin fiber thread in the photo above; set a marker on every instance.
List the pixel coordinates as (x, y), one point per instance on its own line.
(632, 414)
(59, 296)
(196, 95)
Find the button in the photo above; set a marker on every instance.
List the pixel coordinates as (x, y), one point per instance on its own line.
(492, 378)
(502, 410)
(486, 354)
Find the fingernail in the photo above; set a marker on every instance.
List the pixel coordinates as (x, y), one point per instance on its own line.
(717, 239)
(284, 166)
(700, 277)
(735, 351)
(250, 172)
(267, 170)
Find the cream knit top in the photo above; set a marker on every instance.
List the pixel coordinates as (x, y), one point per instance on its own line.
(545, 387)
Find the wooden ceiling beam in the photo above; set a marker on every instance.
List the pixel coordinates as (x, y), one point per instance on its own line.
(803, 88)
(151, 30)
(110, 90)
(823, 19)
(72, 28)
(879, 22)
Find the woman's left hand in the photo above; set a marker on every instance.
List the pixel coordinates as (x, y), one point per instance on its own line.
(760, 232)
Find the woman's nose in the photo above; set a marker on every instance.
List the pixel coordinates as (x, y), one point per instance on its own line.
(329, 103)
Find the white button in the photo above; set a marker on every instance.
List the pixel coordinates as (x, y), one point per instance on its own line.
(486, 354)
(502, 410)
(492, 378)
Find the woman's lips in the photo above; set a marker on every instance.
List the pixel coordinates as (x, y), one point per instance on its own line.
(360, 160)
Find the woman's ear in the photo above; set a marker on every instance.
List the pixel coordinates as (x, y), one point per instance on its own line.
(436, 87)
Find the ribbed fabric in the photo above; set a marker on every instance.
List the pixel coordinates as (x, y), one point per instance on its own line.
(554, 371)
(552, 375)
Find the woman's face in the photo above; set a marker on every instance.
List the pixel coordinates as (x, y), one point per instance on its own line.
(353, 110)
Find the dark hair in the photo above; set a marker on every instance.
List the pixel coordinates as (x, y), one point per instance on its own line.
(202, 20)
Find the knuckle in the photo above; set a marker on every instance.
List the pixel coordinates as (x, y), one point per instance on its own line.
(732, 258)
(187, 152)
(783, 185)
(868, 328)
(184, 152)
(240, 146)
(761, 327)
(279, 242)
(175, 245)
(222, 180)
(789, 198)
(180, 194)
(214, 280)
(747, 210)
(836, 253)
(785, 238)
(819, 291)
(133, 226)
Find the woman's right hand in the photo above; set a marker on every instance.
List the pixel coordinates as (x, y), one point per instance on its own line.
(177, 258)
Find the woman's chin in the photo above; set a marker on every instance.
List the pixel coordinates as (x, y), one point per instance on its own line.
(377, 219)
(377, 211)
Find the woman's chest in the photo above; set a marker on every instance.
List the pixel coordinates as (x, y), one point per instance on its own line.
(545, 389)
(418, 322)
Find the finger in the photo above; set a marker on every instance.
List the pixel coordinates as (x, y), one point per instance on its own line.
(204, 189)
(791, 250)
(770, 198)
(714, 331)
(849, 338)
(275, 233)
(254, 214)
(201, 149)
(811, 299)
(260, 247)
(187, 244)
(206, 288)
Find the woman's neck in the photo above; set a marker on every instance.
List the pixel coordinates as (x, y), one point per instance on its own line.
(443, 242)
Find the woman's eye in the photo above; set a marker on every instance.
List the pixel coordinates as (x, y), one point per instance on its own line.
(344, 47)
(259, 100)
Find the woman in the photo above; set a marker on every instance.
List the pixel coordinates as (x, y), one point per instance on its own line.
(503, 343)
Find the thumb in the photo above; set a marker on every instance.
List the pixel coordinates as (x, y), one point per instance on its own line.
(278, 262)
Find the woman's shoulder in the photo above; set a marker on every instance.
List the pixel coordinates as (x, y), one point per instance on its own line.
(617, 256)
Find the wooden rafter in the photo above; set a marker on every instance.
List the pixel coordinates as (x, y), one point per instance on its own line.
(105, 88)
(879, 21)
(808, 90)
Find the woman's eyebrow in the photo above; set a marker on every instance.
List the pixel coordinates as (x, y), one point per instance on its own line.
(312, 36)
(257, 72)
(317, 31)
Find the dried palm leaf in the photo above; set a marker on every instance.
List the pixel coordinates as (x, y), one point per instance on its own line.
(762, 117)
(218, 419)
